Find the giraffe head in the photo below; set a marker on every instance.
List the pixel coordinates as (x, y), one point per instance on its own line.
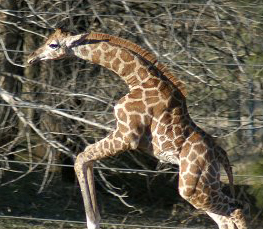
(57, 46)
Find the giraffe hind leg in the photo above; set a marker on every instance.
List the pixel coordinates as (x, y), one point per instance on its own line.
(203, 191)
(221, 211)
(223, 222)
(238, 218)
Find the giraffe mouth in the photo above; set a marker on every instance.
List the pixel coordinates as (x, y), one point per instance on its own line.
(33, 59)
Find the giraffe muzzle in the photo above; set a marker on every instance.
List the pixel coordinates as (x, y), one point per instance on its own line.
(33, 59)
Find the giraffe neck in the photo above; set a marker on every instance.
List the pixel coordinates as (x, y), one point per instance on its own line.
(120, 60)
(128, 60)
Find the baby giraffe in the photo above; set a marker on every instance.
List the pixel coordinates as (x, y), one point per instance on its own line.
(153, 118)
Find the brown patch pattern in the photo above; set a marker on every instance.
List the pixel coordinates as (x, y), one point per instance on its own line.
(126, 56)
(128, 69)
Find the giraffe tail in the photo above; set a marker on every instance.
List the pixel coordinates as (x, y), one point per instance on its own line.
(223, 159)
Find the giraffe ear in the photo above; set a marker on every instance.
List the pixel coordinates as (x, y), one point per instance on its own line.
(76, 40)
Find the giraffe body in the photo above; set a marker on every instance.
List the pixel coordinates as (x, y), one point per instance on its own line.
(152, 117)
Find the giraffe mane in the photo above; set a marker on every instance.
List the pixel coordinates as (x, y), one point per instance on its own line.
(146, 55)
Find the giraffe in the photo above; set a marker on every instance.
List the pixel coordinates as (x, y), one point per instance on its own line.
(153, 118)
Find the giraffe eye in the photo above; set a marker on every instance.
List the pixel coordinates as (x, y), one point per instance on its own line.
(54, 46)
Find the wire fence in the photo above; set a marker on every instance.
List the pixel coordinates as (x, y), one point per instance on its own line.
(119, 170)
(192, 63)
(121, 225)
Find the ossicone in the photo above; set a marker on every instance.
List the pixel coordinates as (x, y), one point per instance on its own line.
(64, 27)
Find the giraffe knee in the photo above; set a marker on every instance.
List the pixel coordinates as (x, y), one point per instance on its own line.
(80, 161)
(197, 198)
(238, 217)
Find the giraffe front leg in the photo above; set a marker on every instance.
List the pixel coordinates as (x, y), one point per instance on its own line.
(90, 178)
(109, 146)
(84, 172)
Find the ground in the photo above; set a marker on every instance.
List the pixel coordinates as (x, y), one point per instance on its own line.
(61, 200)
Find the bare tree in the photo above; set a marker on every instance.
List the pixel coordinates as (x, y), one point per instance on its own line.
(53, 110)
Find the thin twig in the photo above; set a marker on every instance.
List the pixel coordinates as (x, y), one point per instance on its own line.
(138, 27)
(21, 28)
(10, 99)
(14, 101)
(37, 15)
(7, 57)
